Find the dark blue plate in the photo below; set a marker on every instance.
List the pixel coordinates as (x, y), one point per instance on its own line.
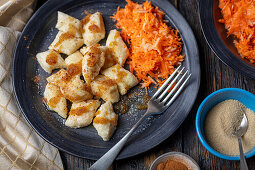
(216, 36)
(36, 37)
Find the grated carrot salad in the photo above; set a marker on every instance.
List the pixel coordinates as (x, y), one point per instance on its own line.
(155, 47)
(239, 20)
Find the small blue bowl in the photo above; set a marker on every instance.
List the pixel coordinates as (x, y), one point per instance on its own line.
(247, 98)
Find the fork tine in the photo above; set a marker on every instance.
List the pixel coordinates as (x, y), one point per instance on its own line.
(170, 85)
(175, 87)
(177, 93)
(165, 83)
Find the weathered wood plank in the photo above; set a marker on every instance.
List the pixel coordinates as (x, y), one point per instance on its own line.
(67, 160)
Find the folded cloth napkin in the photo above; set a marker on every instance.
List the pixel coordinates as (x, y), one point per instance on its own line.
(20, 146)
(15, 13)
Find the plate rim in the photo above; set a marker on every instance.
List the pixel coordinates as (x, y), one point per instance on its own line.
(217, 45)
(95, 156)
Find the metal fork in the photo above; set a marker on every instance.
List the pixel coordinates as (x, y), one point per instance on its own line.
(159, 102)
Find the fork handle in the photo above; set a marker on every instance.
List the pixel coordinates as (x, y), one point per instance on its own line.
(107, 159)
(243, 164)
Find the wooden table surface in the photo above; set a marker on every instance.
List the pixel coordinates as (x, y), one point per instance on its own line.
(215, 75)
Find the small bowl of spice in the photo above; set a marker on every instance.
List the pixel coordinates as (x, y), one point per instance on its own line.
(219, 116)
(174, 161)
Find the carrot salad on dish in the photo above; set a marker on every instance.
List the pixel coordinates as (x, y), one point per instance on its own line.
(239, 20)
(155, 47)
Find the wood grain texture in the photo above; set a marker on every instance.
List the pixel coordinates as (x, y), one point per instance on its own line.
(214, 75)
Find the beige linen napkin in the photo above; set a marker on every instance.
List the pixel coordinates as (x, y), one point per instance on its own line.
(20, 146)
(15, 13)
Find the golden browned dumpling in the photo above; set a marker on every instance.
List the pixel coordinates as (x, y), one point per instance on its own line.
(82, 113)
(105, 88)
(117, 47)
(124, 79)
(105, 121)
(93, 29)
(66, 42)
(55, 99)
(60, 78)
(72, 87)
(109, 59)
(66, 23)
(50, 60)
(92, 62)
(74, 63)
(76, 90)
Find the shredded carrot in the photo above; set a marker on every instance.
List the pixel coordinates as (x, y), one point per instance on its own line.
(239, 20)
(155, 47)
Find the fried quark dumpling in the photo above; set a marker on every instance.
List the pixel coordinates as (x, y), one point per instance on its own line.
(93, 29)
(109, 60)
(82, 113)
(105, 88)
(55, 99)
(76, 90)
(124, 79)
(60, 78)
(92, 62)
(74, 63)
(105, 121)
(72, 87)
(67, 23)
(117, 47)
(66, 42)
(50, 60)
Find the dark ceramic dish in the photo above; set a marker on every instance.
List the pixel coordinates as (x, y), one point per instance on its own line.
(84, 142)
(216, 36)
